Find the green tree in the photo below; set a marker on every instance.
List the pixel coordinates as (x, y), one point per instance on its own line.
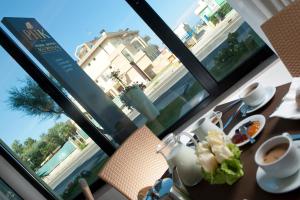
(234, 50)
(33, 156)
(53, 140)
(63, 129)
(34, 152)
(33, 101)
(29, 142)
(17, 147)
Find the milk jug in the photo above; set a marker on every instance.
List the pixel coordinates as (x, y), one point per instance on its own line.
(182, 157)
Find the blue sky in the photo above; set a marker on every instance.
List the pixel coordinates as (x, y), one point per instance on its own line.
(72, 22)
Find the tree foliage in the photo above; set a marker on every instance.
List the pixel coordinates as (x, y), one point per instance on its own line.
(63, 129)
(234, 50)
(34, 152)
(33, 101)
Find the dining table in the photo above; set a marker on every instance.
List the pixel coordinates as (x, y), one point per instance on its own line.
(246, 188)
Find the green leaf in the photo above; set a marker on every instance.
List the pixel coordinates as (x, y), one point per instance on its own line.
(229, 171)
(235, 150)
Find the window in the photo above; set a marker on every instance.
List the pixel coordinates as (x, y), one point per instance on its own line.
(43, 136)
(149, 71)
(214, 32)
(127, 55)
(146, 74)
(149, 88)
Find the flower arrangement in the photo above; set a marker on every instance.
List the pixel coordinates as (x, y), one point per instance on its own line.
(219, 159)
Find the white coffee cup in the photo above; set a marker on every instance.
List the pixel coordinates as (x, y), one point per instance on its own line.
(215, 117)
(253, 95)
(286, 165)
(201, 127)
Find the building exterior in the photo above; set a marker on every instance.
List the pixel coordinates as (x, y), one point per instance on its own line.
(186, 34)
(207, 8)
(125, 51)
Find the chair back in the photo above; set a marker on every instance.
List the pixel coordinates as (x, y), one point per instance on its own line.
(135, 164)
(283, 31)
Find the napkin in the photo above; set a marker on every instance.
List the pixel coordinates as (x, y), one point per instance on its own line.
(288, 108)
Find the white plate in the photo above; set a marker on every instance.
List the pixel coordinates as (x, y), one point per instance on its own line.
(260, 118)
(270, 92)
(275, 185)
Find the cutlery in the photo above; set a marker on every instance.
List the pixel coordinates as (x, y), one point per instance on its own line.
(295, 136)
(244, 130)
(227, 108)
(244, 110)
(232, 116)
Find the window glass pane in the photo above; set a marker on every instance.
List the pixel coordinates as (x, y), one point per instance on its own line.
(213, 31)
(123, 57)
(6, 192)
(42, 136)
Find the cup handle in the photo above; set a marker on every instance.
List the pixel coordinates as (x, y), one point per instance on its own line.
(219, 119)
(287, 135)
(188, 135)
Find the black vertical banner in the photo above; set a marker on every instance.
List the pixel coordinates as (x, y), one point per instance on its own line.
(64, 69)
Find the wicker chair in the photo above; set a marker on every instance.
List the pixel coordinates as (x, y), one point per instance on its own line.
(283, 32)
(135, 165)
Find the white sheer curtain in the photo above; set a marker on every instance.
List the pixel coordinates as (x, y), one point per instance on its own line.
(256, 12)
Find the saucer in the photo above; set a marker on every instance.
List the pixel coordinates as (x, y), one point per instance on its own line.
(260, 118)
(276, 185)
(270, 92)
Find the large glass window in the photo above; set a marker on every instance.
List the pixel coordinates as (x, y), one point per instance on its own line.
(125, 59)
(40, 133)
(213, 31)
(121, 54)
(135, 69)
(138, 78)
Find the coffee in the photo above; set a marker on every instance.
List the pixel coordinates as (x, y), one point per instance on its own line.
(253, 95)
(275, 153)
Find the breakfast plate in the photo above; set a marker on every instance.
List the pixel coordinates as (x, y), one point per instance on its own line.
(270, 92)
(278, 185)
(258, 119)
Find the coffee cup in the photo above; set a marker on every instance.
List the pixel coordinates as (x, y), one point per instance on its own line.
(253, 95)
(204, 125)
(215, 117)
(282, 166)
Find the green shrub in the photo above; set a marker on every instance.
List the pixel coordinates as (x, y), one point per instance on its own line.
(214, 19)
(224, 10)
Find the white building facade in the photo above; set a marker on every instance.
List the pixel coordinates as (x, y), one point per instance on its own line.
(125, 51)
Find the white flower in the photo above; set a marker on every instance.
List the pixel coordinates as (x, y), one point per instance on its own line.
(203, 147)
(213, 151)
(208, 162)
(215, 138)
(222, 152)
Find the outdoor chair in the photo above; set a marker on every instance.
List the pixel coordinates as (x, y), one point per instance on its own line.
(283, 31)
(135, 165)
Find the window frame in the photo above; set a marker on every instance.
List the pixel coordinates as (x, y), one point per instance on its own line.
(177, 47)
(67, 105)
(194, 66)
